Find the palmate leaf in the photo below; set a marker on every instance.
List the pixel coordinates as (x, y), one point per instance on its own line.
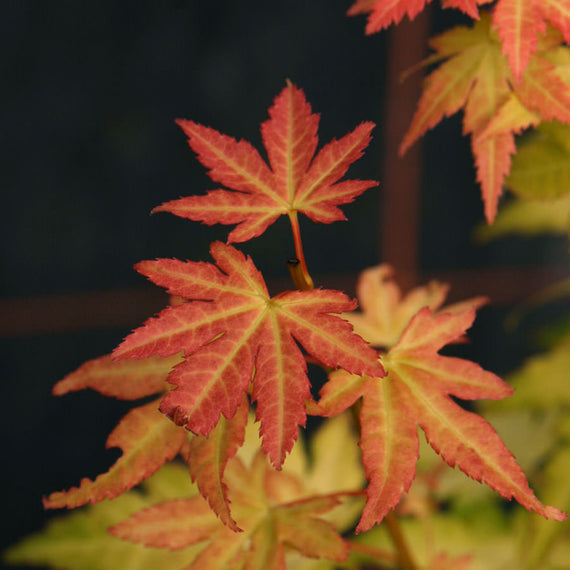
(528, 218)
(126, 380)
(303, 493)
(519, 22)
(476, 78)
(417, 391)
(80, 541)
(145, 436)
(147, 439)
(293, 182)
(271, 507)
(541, 167)
(232, 333)
(208, 458)
(383, 13)
(386, 313)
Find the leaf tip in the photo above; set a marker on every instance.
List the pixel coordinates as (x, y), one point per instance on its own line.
(552, 513)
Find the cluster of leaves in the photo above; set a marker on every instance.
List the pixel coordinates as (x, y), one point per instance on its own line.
(508, 72)
(226, 346)
(229, 341)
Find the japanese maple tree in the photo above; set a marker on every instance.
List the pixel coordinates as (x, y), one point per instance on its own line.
(223, 370)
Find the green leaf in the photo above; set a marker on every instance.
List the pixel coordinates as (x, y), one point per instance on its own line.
(540, 170)
(527, 218)
(541, 536)
(79, 541)
(542, 382)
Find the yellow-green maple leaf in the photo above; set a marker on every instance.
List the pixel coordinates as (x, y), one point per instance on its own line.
(541, 168)
(80, 541)
(528, 218)
(476, 77)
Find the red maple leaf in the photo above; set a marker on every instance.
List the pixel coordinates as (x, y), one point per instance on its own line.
(519, 23)
(417, 391)
(383, 13)
(233, 334)
(293, 182)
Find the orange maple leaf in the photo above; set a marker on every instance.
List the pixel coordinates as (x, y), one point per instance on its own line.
(145, 436)
(417, 391)
(385, 313)
(232, 333)
(126, 379)
(147, 440)
(476, 78)
(208, 457)
(519, 23)
(383, 13)
(271, 507)
(293, 182)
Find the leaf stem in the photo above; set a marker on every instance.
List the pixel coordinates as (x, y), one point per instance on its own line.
(302, 279)
(376, 553)
(404, 557)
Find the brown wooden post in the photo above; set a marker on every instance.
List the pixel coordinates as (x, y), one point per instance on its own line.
(401, 177)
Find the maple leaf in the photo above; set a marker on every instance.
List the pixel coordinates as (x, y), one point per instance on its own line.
(80, 541)
(126, 379)
(145, 436)
(208, 457)
(548, 370)
(147, 439)
(520, 21)
(271, 508)
(383, 13)
(528, 218)
(232, 333)
(385, 313)
(541, 167)
(477, 78)
(293, 182)
(417, 391)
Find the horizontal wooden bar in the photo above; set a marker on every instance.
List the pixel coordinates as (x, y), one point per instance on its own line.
(129, 307)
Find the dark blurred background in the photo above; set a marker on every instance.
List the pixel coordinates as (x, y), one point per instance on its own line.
(89, 95)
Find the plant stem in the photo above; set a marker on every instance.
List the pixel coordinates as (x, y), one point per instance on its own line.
(297, 274)
(302, 279)
(404, 557)
(376, 553)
